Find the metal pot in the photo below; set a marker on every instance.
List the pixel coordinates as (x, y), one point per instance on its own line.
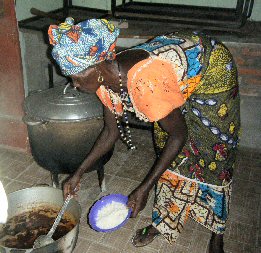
(34, 197)
(63, 125)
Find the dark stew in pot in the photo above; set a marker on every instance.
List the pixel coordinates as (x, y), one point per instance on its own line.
(22, 230)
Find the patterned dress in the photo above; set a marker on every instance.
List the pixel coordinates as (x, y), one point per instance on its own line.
(196, 74)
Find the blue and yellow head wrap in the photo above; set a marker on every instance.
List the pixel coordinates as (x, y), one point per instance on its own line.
(76, 47)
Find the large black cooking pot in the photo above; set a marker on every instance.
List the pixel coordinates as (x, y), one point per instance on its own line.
(63, 124)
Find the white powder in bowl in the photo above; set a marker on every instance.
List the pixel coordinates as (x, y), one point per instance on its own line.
(111, 215)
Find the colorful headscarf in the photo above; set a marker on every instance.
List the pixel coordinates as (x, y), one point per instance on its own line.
(76, 47)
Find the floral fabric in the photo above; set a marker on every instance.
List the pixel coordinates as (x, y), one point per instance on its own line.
(76, 47)
(178, 199)
(212, 117)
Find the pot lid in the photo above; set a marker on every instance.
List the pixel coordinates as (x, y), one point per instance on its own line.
(62, 103)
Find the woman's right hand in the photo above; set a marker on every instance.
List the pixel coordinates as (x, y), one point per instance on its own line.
(71, 186)
(137, 201)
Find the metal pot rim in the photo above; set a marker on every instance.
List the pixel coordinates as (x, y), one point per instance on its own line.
(57, 242)
(54, 104)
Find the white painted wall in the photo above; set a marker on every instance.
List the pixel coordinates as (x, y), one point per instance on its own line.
(256, 13)
(99, 4)
(23, 7)
(106, 4)
(22, 12)
(214, 3)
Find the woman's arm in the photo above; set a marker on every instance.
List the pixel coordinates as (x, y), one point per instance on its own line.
(174, 124)
(103, 145)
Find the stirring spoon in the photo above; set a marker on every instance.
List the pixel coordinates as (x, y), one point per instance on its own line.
(44, 240)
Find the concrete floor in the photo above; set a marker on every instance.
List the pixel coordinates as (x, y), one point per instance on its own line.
(124, 172)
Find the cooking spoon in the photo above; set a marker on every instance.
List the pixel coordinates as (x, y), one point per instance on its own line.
(44, 240)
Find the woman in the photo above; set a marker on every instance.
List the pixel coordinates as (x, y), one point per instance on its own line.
(187, 85)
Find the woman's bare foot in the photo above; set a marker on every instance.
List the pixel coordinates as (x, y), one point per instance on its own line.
(145, 236)
(216, 244)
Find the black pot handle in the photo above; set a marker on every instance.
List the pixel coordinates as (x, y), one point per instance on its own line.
(30, 121)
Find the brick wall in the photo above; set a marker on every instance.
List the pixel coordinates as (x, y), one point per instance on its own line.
(248, 59)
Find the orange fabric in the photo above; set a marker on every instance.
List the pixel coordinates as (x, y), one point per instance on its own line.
(105, 98)
(190, 84)
(153, 88)
(74, 34)
(51, 38)
(174, 208)
(168, 176)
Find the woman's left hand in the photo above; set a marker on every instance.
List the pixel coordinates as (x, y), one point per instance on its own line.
(137, 201)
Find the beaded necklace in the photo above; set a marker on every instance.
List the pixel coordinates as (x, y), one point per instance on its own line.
(125, 133)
